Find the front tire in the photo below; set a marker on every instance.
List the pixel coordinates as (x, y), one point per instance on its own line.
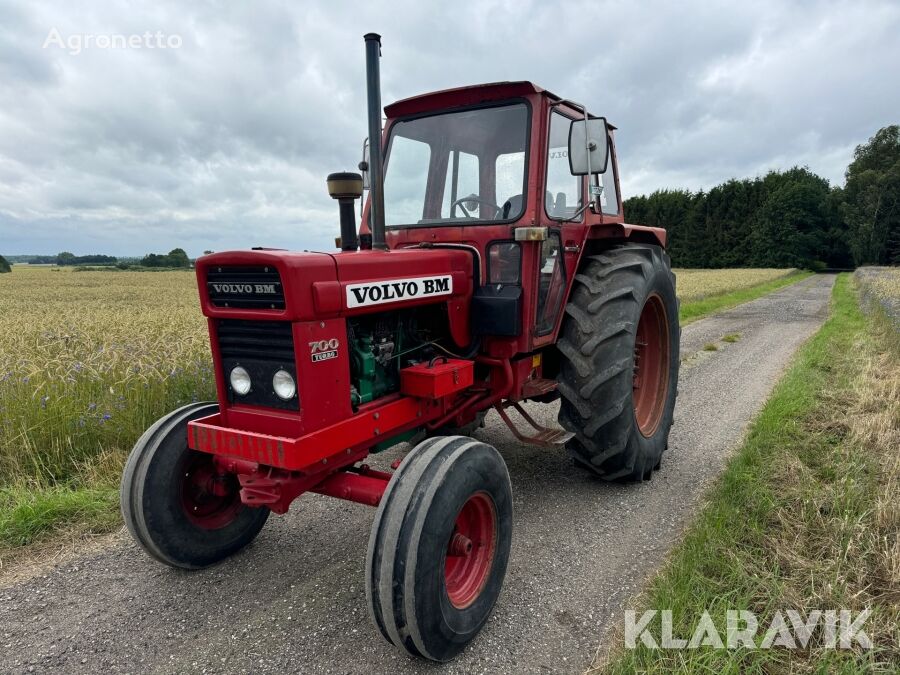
(175, 504)
(439, 546)
(620, 353)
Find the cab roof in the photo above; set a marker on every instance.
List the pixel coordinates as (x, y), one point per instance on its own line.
(464, 96)
(471, 95)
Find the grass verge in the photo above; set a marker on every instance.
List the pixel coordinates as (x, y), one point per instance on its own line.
(806, 515)
(697, 309)
(26, 514)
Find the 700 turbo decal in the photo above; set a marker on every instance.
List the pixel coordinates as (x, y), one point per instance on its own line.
(397, 290)
(322, 350)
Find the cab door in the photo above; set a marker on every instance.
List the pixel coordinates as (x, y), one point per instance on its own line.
(563, 217)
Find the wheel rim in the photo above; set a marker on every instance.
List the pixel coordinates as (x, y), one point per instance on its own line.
(651, 366)
(470, 551)
(210, 500)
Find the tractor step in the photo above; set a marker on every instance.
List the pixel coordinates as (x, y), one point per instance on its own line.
(538, 387)
(543, 436)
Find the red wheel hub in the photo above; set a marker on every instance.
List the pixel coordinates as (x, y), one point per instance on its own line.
(211, 500)
(651, 365)
(470, 551)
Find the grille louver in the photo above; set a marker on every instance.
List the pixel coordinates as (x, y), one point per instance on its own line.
(245, 287)
(257, 340)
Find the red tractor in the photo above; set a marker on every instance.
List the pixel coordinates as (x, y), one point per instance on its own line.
(493, 266)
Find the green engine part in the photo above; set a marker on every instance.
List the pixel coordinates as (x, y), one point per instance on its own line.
(372, 379)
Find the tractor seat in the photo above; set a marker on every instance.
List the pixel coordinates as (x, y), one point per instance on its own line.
(513, 205)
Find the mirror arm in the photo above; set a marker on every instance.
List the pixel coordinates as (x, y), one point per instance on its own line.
(594, 181)
(577, 214)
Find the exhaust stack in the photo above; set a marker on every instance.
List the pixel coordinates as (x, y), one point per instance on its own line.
(376, 165)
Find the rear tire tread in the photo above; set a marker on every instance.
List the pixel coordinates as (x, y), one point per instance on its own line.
(596, 345)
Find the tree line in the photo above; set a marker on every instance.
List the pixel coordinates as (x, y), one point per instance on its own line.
(791, 218)
(65, 258)
(177, 257)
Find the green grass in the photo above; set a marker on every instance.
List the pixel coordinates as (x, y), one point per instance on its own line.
(697, 309)
(801, 517)
(731, 337)
(27, 514)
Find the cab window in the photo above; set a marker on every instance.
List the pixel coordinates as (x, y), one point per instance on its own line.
(551, 284)
(404, 194)
(462, 180)
(563, 197)
(609, 200)
(459, 167)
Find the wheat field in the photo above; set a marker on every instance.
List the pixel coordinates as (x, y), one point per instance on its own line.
(88, 360)
(696, 285)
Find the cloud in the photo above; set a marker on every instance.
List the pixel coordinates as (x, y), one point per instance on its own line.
(226, 141)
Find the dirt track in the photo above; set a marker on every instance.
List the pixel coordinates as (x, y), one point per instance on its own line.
(295, 600)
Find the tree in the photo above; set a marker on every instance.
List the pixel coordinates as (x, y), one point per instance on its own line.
(65, 258)
(669, 209)
(871, 199)
(179, 258)
(5, 267)
(789, 228)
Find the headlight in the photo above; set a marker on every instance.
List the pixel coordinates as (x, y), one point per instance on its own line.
(284, 385)
(240, 381)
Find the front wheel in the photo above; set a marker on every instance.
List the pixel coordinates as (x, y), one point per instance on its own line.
(175, 503)
(439, 546)
(619, 374)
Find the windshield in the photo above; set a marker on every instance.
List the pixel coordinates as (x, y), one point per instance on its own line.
(459, 167)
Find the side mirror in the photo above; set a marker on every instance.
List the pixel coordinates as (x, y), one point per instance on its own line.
(588, 146)
(364, 165)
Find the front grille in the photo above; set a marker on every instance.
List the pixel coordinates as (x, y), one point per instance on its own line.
(245, 287)
(257, 340)
(261, 348)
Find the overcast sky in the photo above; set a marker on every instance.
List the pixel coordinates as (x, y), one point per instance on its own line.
(222, 137)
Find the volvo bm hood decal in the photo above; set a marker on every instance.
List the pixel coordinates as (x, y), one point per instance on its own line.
(245, 289)
(397, 290)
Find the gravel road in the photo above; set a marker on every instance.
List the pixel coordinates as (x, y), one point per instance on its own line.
(295, 601)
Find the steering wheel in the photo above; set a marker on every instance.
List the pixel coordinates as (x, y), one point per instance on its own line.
(477, 199)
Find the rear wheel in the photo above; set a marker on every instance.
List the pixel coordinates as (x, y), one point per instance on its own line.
(439, 546)
(175, 503)
(619, 374)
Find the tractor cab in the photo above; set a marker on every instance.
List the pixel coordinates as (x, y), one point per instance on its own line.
(493, 154)
(505, 170)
